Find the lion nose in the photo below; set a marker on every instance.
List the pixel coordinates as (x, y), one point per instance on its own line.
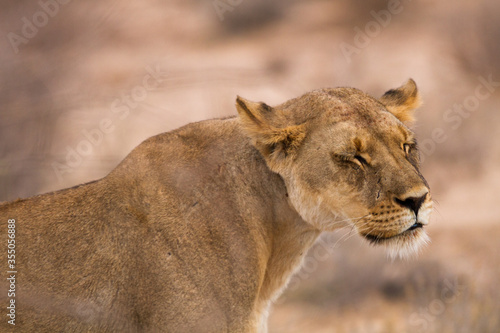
(413, 203)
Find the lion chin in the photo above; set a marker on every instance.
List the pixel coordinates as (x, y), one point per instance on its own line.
(405, 245)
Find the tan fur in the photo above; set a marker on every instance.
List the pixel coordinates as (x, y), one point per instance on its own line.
(199, 229)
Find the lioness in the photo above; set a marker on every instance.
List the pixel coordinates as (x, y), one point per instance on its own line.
(199, 229)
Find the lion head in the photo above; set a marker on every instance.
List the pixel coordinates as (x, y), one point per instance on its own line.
(348, 159)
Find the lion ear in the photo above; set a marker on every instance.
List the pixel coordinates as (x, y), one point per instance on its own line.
(276, 143)
(403, 101)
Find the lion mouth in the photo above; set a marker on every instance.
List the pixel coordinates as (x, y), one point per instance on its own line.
(415, 226)
(402, 244)
(411, 232)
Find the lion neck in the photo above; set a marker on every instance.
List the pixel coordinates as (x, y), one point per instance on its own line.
(290, 243)
(288, 237)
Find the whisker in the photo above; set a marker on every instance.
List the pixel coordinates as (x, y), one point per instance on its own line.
(344, 237)
(353, 220)
(350, 235)
(352, 230)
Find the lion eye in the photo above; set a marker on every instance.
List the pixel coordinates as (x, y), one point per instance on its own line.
(406, 148)
(361, 159)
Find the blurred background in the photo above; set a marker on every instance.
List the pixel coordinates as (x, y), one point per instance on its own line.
(84, 82)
